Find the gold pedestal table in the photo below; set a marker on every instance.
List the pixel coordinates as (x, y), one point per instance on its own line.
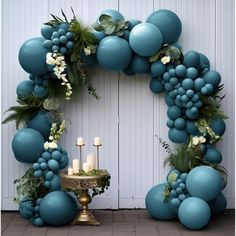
(82, 184)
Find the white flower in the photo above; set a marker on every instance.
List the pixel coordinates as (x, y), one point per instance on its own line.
(46, 145)
(195, 140)
(87, 51)
(202, 139)
(165, 60)
(53, 145)
(50, 138)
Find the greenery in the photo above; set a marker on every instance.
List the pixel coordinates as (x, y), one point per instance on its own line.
(30, 186)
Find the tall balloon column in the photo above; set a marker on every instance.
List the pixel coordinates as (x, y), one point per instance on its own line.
(193, 188)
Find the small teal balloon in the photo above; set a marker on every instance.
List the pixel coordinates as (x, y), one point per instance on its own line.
(145, 39)
(55, 183)
(65, 161)
(38, 222)
(58, 208)
(133, 23)
(192, 114)
(204, 182)
(46, 31)
(218, 205)
(25, 89)
(49, 175)
(212, 77)
(53, 165)
(187, 83)
(178, 136)
(36, 166)
(192, 73)
(28, 145)
(99, 35)
(155, 204)
(57, 155)
(204, 62)
(156, 85)
(43, 166)
(168, 23)
(140, 65)
(115, 15)
(40, 91)
(158, 68)
(169, 100)
(32, 56)
(192, 59)
(46, 155)
(174, 204)
(174, 112)
(191, 128)
(42, 122)
(38, 173)
(199, 84)
(180, 123)
(170, 123)
(218, 126)
(194, 213)
(114, 53)
(213, 155)
(180, 70)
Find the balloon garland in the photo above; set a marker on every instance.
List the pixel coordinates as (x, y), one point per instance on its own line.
(59, 62)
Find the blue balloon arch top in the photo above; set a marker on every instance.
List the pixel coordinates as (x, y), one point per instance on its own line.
(58, 62)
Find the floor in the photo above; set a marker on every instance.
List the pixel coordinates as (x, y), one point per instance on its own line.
(122, 223)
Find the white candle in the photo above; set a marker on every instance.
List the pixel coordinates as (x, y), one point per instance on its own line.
(70, 171)
(80, 141)
(75, 166)
(86, 167)
(97, 141)
(91, 160)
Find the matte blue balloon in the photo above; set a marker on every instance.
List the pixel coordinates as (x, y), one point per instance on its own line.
(46, 155)
(49, 175)
(38, 173)
(204, 182)
(192, 59)
(145, 39)
(168, 23)
(158, 68)
(65, 161)
(140, 65)
(32, 56)
(169, 101)
(204, 61)
(180, 70)
(180, 123)
(198, 84)
(213, 155)
(42, 123)
(133, 23)
(53, 165)
(191, 128)
(46, 31)
(126, 35)
(177, 136)
(57, 155)
(192, 73)
(187, 83)
(194, 213)
(40, 91)
(25, 89)
(174, 204)
(58, 208)
(38, 222)
(115, 15)
(218, 126)
(218, 205)
(114, 53)
(209, 88)
(192, 115)
(26, 208)
(28, 144)
(99, 35)
(55, 183)
(212, 77)
(156, 85)
(155, 204)
(174, 112)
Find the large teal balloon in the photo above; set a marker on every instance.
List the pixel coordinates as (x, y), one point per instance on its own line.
(25, 89)
(204, 182)
(213, 155)
(41, 122)
(194, 213)
(140, 65)
(145, 39)
(218, 126)
(218, 205)
(191, 59)
(115, 15)
(155, 204)
(58, 208)
(168, 23)
(114, 53)
(27, 145)
(178, 136)
(32, 56)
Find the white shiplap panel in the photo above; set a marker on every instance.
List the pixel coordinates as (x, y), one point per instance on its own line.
(136, 125)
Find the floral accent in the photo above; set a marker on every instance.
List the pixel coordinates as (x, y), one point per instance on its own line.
(165, 60)
(58, 61)
(87, 51)
(196, 140)
(51, 145)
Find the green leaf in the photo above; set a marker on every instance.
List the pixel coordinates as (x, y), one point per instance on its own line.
(110, 28)
(105, 18)
(62, 12)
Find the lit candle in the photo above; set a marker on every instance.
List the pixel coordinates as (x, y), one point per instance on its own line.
(75, 166)
(86, 167)
(80, 141)
(97, 141)
(70, 171)
(91, 160)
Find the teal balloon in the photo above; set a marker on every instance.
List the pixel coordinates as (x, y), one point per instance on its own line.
(168, 23)
(65, 161)
(53, 165)
(46, 31)
(40, 91)
(192, 73)
(212, 77)
(145, 39)
(128, 71)
(115, 15)
(58, 208)
(156, 85)
(191, 128)
(192, 59)
(32, 56)
(180, 70)
(140, 65)
(218, 126)
(204, 61)
(194, 213)
(204, 182)
(158, 68)
(126, 35)
(174, 112)
(42, 122)
(114, 53)
(192, 114)
(169, 100)
(25, 89)
(155, 204)
(133, 23)
(177, 136)
(55, 183)
(199, 84)
(38, 222)
(57, 155)
(99, 35)
(26, 208)
(218, 205)
(213, 155)
(180, 123)
(187, 83)
(28, 145)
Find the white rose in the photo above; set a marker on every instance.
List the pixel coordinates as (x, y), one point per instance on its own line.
(202, 139)
(46, 145)
(52, 145)
(195, 140)
(165, 60)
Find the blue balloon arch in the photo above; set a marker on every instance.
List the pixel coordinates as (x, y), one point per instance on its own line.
(58, 62)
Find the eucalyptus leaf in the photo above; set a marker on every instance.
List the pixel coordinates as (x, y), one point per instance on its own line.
(98, 27)
(110, 28)
(105, 18)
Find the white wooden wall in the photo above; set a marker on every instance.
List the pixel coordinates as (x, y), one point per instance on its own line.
(128, 115)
